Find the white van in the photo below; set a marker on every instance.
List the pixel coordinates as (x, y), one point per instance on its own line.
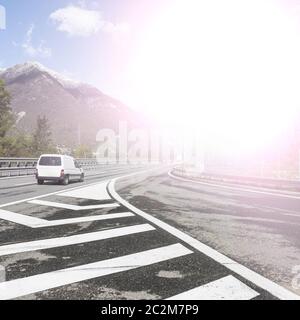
(60, 168)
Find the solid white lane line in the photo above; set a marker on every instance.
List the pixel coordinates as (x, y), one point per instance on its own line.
(73, 207)
(72, 240)
(33, 222)
(266, 284)
(25, 286)
(235, 188)
(227, 288)
(95, 192)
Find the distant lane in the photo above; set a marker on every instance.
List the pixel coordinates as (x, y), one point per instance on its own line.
(18, 188)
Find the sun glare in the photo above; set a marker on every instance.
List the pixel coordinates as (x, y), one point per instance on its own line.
(228, 69)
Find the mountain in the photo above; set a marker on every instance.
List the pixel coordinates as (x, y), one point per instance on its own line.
(76, 111)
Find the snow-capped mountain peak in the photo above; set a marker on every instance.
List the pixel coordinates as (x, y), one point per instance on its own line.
(36, 90)
(31, 66)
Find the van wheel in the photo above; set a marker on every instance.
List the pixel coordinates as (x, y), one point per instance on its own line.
(81, 178)
(66, 180)
(40, 181)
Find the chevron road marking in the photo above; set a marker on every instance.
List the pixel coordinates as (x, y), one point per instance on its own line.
(73, 207)
(72, 240)
(94, 192)
(25, 286)
(34, 222)
(227, 288)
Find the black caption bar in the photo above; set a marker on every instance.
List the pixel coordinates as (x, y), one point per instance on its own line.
(98, 310)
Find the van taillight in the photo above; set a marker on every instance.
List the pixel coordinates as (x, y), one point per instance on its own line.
(62, 173)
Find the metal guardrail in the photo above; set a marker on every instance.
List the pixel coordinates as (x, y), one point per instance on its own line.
(17, 162)
(26, 166)
(191, 173)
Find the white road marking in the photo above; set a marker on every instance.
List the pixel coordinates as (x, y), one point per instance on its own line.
(72, 240)
(284, 212)
(71, 189)
(235, 188)
(86, 219)
(73, 207)
(266, 284)
(22, 219)
(34, 222)
(42, 196)
(24, 184)
(2, 274)
(16, 177)
(95, 192)
(37, 283)
(227, 288)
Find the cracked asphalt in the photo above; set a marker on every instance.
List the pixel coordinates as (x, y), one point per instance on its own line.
(258, 230)
(246, 226)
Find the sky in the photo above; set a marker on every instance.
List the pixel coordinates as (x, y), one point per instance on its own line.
(220, 67)
(91, 41)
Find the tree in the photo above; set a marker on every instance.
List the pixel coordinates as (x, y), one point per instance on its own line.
(17, 145)
(14, 143)
(83, 151)
(7, 120)
(42, 141)
(6, 115)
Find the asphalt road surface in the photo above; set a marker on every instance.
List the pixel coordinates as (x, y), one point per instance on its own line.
(139, 233)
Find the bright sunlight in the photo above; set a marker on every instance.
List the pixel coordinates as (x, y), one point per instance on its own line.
(228, 69)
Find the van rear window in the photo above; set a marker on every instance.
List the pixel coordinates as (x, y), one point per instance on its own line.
(50, 161)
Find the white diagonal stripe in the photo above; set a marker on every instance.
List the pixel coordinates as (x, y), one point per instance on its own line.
(227, 288)
(71, 206)
(52, 223)
(33, 222)
(72, 240)
(18, 218)
(94, 192)
(25, 286)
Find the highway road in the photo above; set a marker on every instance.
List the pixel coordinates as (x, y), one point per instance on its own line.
(17, 188)
(140, 233)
